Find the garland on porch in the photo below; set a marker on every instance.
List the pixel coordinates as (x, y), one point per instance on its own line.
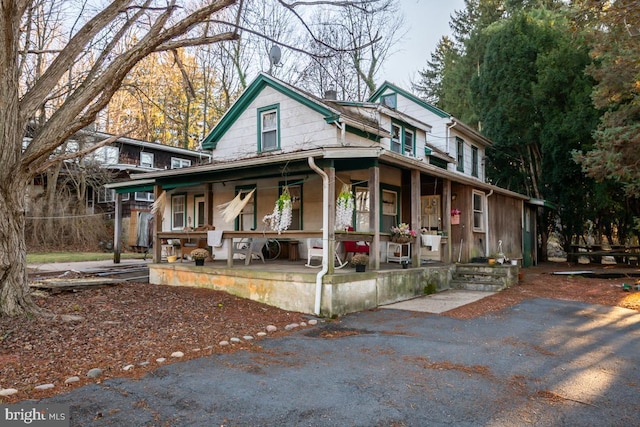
(344, 208)
(280, 219)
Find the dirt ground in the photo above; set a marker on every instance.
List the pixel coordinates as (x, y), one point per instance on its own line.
(133, 325)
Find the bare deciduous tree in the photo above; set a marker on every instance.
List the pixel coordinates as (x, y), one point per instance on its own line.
(82, 72)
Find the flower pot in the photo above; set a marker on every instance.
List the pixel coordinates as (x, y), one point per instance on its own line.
(199, 261)
(405, 265)
(172, 258)
(492, 261)
(360, 268)
(400, 239)
(455, 219)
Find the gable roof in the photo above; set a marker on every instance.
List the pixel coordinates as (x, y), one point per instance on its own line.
(331, 111)
(389, 86)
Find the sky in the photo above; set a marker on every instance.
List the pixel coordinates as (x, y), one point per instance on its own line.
(426, 21)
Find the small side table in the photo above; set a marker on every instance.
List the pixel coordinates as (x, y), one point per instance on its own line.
(293, 250)
(404, 254)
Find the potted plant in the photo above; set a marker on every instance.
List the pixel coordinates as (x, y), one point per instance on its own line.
(402, 233)
(199, 255)
(360, 261)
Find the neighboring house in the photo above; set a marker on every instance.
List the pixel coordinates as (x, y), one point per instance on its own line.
(116, 161)
(128, 156)
(404, 160)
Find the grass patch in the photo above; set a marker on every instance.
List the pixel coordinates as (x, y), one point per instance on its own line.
(49, 257)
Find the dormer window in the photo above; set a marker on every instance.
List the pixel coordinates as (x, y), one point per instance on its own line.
(389, 101)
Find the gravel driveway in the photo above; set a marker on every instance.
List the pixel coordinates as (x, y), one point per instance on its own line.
(541, 362)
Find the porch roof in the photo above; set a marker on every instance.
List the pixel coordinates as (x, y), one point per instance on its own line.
(297, 163)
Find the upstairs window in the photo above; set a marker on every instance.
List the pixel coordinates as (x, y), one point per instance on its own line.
(146, 159)
(460, 154)
(395, 138)
(409, 147)
(178, 163)
(474, 161)
(107, 155)
(268, 128)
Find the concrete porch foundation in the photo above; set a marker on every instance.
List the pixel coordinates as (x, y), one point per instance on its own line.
(294, 287)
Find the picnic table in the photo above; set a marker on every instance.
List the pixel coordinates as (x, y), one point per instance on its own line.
(621, 253)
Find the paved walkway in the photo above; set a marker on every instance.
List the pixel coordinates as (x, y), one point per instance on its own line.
(439, 302)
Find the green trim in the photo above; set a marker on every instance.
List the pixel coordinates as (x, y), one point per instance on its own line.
(388, 86)
(438, 162)
(475, 161)
(248, 96)
(260, 111)
(239, 188)
(134, 189)
(362, 133)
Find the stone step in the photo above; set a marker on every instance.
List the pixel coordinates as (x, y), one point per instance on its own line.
(477, 286)
(492, 271)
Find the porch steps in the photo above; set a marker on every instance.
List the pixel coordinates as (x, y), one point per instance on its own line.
(482, 277)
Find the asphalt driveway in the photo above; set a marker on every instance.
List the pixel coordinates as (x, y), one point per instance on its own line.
(542, 362)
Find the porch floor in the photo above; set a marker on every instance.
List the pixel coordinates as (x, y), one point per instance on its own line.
(282, 265)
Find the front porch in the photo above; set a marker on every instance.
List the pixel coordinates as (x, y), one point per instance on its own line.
(291, 285)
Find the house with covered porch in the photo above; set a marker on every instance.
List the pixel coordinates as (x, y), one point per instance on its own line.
(401, 159)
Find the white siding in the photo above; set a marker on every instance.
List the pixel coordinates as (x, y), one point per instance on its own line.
(300, 128)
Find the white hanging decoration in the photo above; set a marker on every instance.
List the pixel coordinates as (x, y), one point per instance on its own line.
(280, 219)
(344, 208)
(230, 210)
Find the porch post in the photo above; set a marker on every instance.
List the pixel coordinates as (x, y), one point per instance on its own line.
(416, 218)
(208, 204)
(331, 210)
(117, 229)
(446, 219)
(374, 216)
(157, 227)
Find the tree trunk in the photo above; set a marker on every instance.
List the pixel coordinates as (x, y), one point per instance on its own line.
(14, 288)
(15, 297)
